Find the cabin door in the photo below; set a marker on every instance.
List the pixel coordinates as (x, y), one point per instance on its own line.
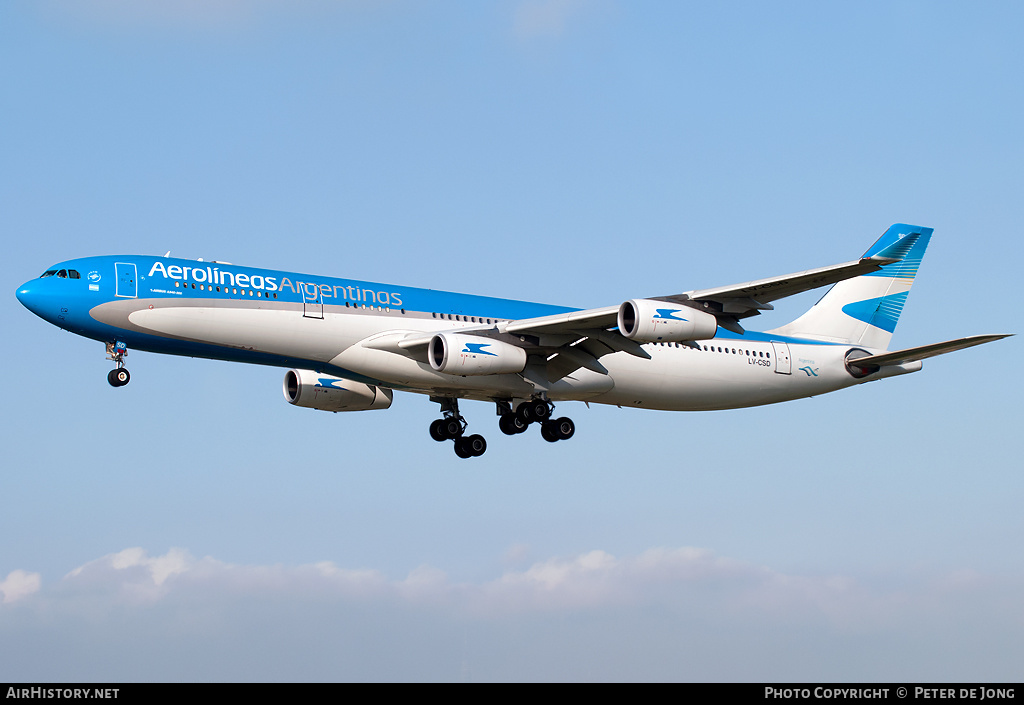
(312, 301)
(783, 366)
(126, 280)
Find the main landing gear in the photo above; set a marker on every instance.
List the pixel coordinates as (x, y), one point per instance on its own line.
(453, 427)
(535, 411)
(119, 376)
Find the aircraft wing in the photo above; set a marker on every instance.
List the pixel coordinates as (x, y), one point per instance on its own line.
(731, 303)
(750, 298)
(599, 318)
(569, 341)
(900, 357)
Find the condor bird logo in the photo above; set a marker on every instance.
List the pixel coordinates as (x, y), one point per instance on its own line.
(478, 349)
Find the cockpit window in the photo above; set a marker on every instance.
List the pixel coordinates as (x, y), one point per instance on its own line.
(63, 274)
(48, 273)
(73, 274)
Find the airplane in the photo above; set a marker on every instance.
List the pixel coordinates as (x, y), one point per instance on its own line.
(349, 344)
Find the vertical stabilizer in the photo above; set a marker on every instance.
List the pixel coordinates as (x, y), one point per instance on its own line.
(864, 310)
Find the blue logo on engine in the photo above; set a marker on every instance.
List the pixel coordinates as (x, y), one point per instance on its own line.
(669, 314)
(476, 349)
(330, 383)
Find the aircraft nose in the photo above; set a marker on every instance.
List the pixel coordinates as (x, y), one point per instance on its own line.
(25, 295)
(31, 297)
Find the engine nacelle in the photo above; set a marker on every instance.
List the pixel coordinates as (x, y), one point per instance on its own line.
(647, 321)
(456, 354)
(315, 391)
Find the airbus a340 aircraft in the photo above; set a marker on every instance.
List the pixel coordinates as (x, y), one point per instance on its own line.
(351, 343)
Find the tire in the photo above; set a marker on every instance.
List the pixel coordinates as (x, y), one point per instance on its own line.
(476, 445)
(510, 425)
(564, 428)
(462, 448)
(539, 410)
(548, 432)
(525, 413)
(452, 428)
(118, 377)
(437, 430)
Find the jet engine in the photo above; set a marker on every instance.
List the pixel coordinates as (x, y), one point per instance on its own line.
(326, 393)
(647, 321)
(465, 355)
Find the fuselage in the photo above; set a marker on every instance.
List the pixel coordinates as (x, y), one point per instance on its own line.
(346, 328)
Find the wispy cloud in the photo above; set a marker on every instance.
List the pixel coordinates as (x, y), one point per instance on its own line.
(732, 618)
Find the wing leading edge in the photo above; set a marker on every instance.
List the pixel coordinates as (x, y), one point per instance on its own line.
(565, 342)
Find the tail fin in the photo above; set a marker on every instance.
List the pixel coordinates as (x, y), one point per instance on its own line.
(864, 310)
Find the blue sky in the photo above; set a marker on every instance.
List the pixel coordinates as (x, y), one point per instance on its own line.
(193, 526)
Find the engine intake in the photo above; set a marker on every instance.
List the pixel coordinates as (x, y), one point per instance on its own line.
(648, 321)
(316, 391)
(456, 354)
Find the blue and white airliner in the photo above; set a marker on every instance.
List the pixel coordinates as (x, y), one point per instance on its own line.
(349, 344)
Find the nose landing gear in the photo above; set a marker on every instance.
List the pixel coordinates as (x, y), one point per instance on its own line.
(119, 376)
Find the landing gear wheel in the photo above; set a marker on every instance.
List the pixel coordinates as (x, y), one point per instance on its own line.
(548, 432)
(462, 448)
(524, 413)
(452, 428)
(437, 430)
(476, 445)
(510, 424)
(539, 410)
(534, 410)
(118, 377)
(470, 446)
(564, 428)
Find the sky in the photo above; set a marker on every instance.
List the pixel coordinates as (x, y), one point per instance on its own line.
(193, 526)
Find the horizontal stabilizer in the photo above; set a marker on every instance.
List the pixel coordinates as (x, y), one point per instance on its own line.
(900, 357)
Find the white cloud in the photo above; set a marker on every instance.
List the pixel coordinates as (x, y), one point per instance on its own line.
(19, 584)
(636, 616)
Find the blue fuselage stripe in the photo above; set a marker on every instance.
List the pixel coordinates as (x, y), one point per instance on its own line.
(167, 278)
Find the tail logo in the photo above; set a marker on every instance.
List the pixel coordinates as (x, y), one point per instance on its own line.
(882, 312)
